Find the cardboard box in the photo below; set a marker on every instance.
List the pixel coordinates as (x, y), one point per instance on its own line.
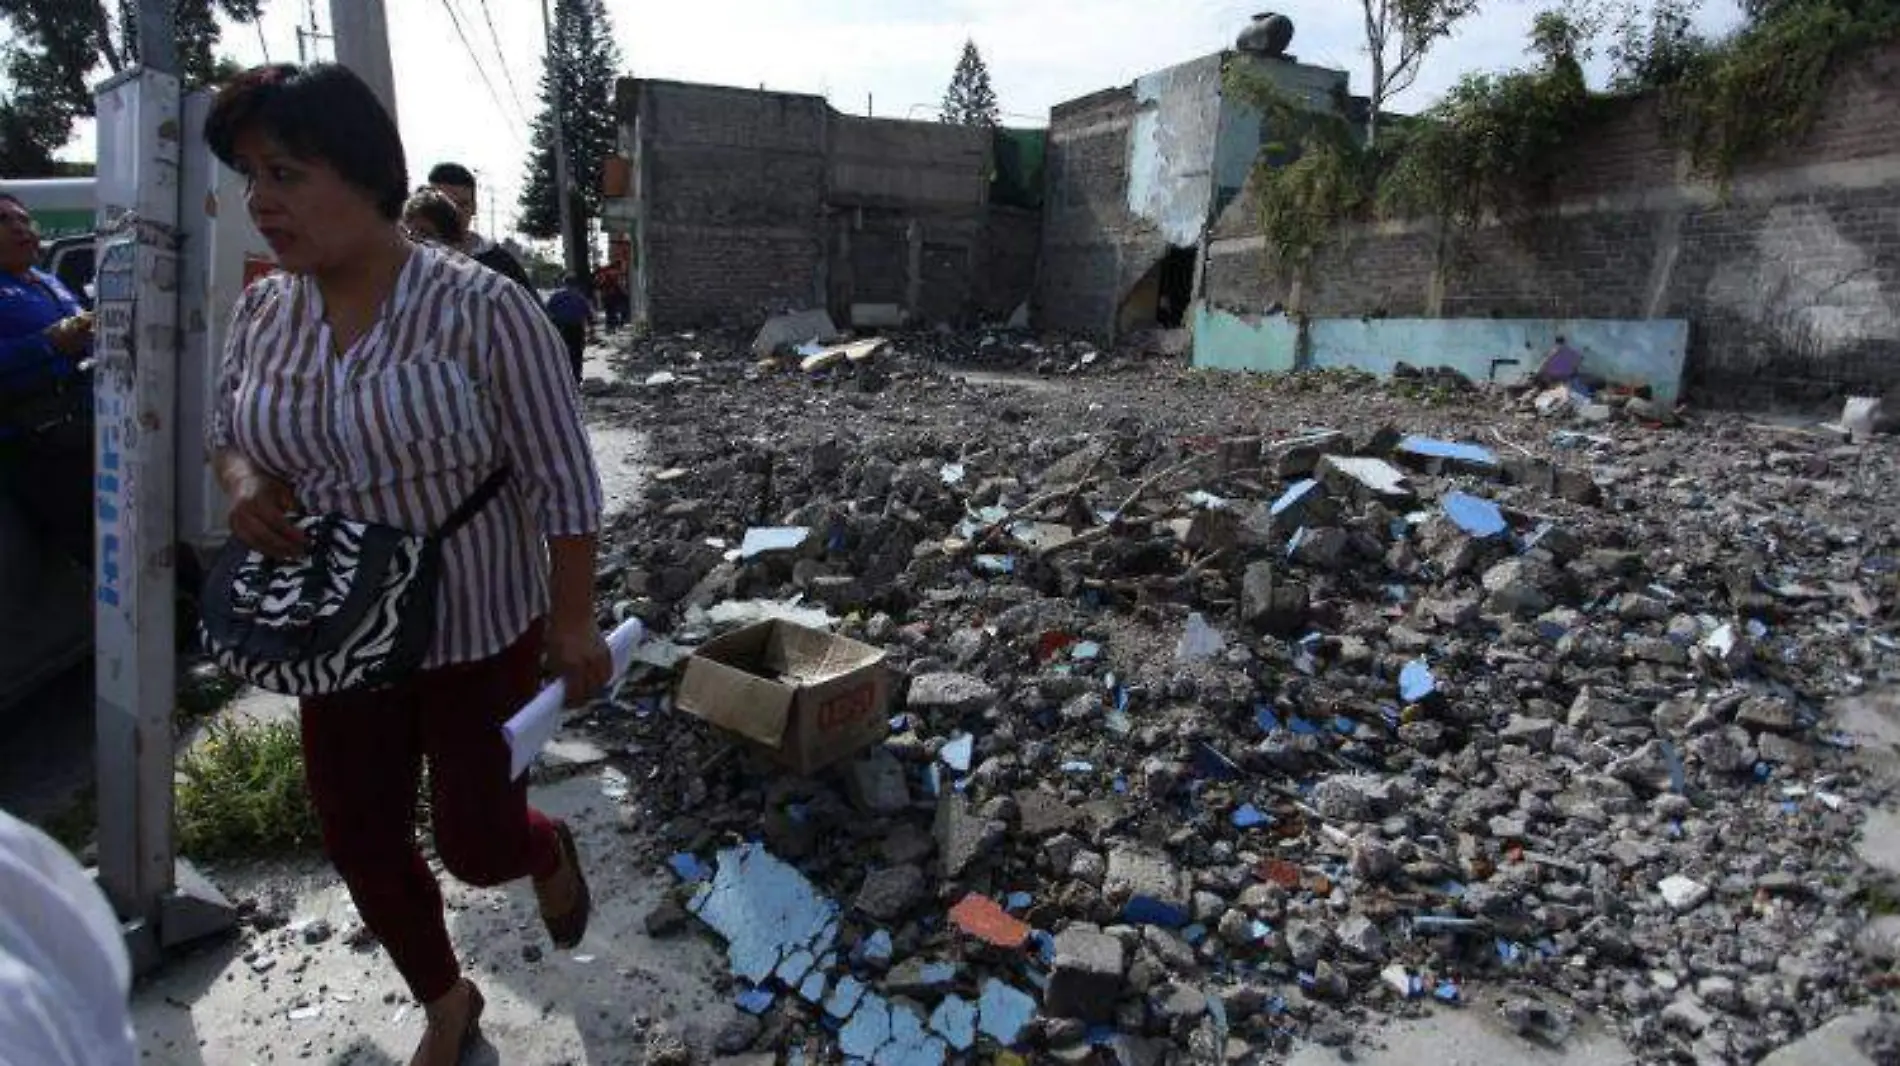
(805, 697)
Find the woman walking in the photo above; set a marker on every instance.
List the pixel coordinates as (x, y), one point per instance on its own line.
(384, 381)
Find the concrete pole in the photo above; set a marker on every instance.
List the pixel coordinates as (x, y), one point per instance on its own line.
(158, 36)
(564, 186)
(360, 32)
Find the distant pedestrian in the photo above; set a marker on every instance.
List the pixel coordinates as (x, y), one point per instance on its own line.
(614, 303)
(573, 315)
(454, 181)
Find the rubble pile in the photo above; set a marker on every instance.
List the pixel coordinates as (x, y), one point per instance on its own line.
(1223, 727)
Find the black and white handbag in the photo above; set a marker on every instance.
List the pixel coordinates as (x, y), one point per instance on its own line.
(355, 611)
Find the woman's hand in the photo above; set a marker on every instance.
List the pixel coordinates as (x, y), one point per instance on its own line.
(260, 516)
(577, 653)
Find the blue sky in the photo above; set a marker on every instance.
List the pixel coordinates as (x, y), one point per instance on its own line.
(899, 53)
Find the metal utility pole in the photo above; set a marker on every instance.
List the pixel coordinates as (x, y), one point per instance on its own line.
(564, 194)
(361, 34)
(159, 899)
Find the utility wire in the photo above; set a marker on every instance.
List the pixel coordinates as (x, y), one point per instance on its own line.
(506, 74)
(456, 21)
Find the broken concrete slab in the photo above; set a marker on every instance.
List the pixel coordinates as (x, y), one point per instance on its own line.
(1088, 973)
(1155, 889)
(949, 693)
(1436, 456)
(794, 329)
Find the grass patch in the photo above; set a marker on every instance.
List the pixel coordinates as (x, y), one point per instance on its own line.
(241, 793)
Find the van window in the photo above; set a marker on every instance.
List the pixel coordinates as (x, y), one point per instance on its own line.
(73, 266)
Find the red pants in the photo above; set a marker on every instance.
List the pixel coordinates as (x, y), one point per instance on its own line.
(363, 756)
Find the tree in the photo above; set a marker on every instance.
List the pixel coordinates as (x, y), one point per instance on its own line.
(970, 101)
(59, 48)
(577, 90)
(1398, 34)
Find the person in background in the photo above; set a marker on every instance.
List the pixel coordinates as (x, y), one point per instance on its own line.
(432, 217)
(64, 973)
(573, 316)
(613, 296)
(454, 181)
(383, 380)
(45, 402)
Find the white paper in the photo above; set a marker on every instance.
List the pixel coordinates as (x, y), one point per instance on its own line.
(535, 724)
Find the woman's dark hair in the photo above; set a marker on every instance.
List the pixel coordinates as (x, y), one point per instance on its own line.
(320, 112)
(12, 199)
(429, 205)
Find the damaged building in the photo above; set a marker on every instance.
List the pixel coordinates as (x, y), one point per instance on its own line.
(1137, 175)
(744, 203)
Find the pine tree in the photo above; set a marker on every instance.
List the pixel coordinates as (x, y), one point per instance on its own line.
(970, 101)
(58, 49)
(577, 85)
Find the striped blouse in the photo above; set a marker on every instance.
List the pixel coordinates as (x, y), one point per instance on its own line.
(460, 373)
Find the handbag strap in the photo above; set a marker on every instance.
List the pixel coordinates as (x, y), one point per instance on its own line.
(469, 508)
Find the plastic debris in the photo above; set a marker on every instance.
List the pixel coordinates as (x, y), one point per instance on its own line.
(756, 1000)
(1248, 816)
(1200, 641)
(1146, 910)
(1416, 681)
(687, 867)
(957, 753)
(1478, 517)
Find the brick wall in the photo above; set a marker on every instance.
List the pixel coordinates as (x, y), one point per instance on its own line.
(1093, 248)
(733, 190)
(1790, 278)
(752, 203)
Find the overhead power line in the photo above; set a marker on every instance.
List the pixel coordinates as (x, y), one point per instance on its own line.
(506, 74)
(487, 83)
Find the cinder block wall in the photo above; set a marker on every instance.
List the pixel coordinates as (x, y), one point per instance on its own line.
(1790, 278)
(733, 190)
(1093, 247)
(752, 203)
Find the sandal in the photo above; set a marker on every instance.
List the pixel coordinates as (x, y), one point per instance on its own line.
(567, 927)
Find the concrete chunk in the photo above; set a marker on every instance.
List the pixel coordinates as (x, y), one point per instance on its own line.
(794, 329)
(1088, 976)
(949, 693)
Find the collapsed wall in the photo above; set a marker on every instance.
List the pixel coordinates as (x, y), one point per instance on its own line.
(1790, 278)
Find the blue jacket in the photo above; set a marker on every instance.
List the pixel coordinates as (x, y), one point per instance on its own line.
(28, 306)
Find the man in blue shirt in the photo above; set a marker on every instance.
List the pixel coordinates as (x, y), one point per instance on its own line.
(573, 315)
(43, 332)
(45, 404)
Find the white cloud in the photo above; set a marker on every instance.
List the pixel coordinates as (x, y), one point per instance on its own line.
(898, 52)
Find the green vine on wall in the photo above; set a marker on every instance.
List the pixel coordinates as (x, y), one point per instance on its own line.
(1764, 88)
(1495, 144)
